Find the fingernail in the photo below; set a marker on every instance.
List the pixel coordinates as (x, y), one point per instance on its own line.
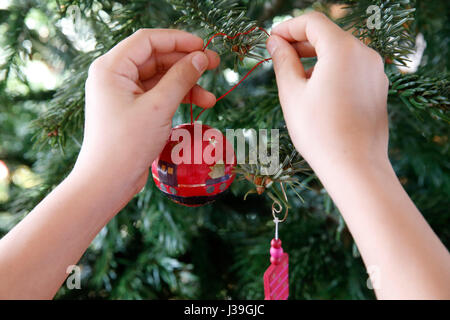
(200, 62)
(272, 45)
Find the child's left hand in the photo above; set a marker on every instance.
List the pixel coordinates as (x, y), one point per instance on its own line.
(132, 93)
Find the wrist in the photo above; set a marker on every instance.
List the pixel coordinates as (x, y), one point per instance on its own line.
(114, 167)
(107, 185)
(351, 173)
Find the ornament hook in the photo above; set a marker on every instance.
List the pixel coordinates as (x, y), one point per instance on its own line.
(276, 227)
(277, 208)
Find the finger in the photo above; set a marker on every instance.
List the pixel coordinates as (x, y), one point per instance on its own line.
(161, 62)
(315, 28)
(200, 97)
(176, 83)
(304, 49)
(153, 81)
(286, 63)
(130, 53)
(214, 59)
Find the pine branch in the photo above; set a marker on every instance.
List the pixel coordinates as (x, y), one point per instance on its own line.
(224, 16)
(418, 92)
(293, 172)
(65, 115)
(393, 39)
(16, 30)
(34, 96)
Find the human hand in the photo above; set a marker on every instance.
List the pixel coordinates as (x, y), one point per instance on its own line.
(132, 93)
(336, 112)
(337, 119)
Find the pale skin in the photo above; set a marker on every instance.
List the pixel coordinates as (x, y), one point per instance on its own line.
(336, 116)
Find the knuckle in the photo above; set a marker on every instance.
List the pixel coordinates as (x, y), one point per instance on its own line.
(97, 66)
(376, 57)
(316, 15)
(377, 64)
(377, 60)
(142, 31)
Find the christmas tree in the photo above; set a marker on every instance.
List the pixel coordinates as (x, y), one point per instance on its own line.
(156, 249)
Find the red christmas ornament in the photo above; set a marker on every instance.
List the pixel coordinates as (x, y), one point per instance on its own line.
(195, 166)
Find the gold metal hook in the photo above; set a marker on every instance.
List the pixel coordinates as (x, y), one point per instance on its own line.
(277, 207)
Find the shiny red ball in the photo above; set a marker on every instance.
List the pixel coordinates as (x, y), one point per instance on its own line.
(195, 166)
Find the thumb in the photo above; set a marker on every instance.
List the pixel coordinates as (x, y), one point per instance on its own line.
(178, 80)
(286, 63)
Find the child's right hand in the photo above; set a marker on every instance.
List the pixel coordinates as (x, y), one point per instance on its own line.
(336, 115)
(337, 119)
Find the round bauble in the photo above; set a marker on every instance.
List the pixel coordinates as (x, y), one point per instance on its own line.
(195, 166)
